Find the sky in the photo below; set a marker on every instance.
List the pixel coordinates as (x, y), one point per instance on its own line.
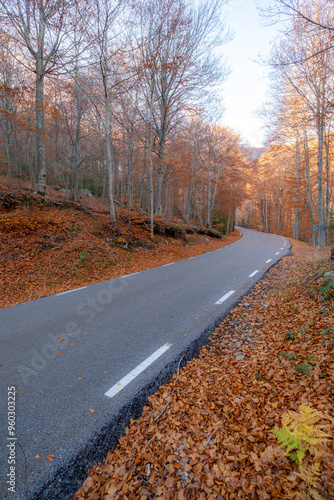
(245, 90)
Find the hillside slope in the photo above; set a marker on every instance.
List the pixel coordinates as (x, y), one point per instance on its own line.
(50, 245)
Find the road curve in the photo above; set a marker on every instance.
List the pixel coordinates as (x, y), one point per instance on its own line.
(83, 362)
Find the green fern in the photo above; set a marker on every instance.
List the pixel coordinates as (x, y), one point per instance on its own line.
(292, 442)
(302, 433)
(304, 424)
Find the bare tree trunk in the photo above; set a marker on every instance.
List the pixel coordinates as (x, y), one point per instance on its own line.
(129, 171)
(208, 210)
(189, 202)
(228, 223)
(309, 186)
(40, 139)
(103, 181)
(7, 149)
(108, 152)
(18, 157)
(30, 162)
(150, 159)
(328, 181)
(320, 132)
(160, 178)
(77, 140)
(296, 199)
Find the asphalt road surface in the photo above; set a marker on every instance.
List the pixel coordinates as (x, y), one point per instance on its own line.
(79, 364)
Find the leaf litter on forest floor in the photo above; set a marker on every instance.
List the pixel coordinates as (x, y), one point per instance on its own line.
(45, 251)
(207, 433)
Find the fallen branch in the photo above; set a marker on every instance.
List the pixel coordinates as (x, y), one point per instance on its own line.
(178, 370)
(164, 408)
(150, 441)
(214, 432)
(177, 376)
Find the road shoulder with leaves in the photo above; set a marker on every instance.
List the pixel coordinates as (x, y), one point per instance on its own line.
(207, 433)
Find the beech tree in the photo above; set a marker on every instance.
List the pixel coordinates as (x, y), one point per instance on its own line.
(40, 31)
(180, 64)
(122, 93)
(303, 69)
(300, 10)
(107, 52)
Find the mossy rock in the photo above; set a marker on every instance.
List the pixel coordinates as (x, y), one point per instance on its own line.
(213, 233)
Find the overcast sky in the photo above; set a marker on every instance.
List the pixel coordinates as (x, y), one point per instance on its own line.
(245, 90)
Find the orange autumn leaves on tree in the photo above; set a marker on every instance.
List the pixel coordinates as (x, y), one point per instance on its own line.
(117, 135)
(294, 192)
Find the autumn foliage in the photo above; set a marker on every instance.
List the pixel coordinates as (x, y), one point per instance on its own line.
(292, 189)
(119, 99)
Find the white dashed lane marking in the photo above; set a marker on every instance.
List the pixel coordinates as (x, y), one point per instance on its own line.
(269, 260)
(253, 274)
(74, 290)
(136, 371)
(225, 297)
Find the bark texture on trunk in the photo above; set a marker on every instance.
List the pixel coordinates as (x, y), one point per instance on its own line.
(321, 219)
(109, 162)
(40, 139)
(77, 143)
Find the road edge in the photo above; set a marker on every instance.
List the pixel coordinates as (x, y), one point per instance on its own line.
(68, 478)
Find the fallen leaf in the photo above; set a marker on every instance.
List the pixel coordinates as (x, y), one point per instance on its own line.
(112, 491)
(88, 484)
(169, 482)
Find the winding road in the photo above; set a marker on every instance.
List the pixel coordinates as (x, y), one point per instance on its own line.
(83, 362)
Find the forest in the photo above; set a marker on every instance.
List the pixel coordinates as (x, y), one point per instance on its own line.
(123, 101)
(115, 159)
